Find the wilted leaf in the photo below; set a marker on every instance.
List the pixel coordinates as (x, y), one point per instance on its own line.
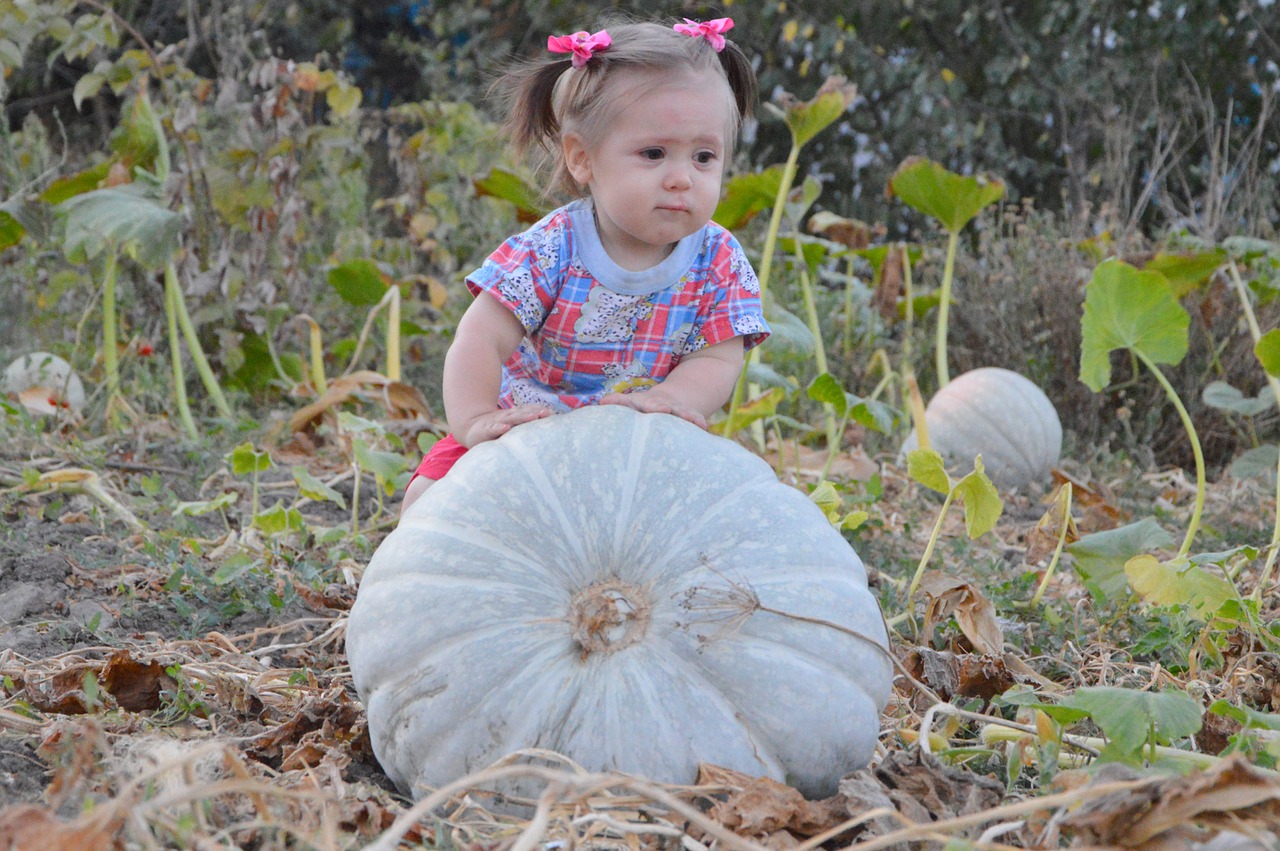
(135, 685)
(27, 827)
(765, 405)
(1095, 499)
(509, 186)
(850, 233)
(1178, 583)
(808, 119)
(947, 596)
(1128, 309)
(401, 401)
(1042, 541)
(761, 807)
(1187, 271)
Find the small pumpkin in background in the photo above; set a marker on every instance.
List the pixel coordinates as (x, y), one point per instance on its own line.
(1000, 415)
(591, 584)
(43, 383)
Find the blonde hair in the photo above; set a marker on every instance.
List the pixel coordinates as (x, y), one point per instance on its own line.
(548, 98)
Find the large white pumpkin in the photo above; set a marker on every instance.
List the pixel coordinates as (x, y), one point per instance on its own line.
(584, 585)
(999, 415)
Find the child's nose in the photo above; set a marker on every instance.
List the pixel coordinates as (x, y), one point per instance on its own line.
(678, 177)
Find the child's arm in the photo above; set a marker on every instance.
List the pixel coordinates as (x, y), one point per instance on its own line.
(487, 335)
(695, 389)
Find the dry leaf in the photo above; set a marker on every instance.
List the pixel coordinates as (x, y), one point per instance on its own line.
(135, 685)
(1096, 502)
(975, 615)
(767, 810)
(962, 675)
(29, 827)
(401, 400)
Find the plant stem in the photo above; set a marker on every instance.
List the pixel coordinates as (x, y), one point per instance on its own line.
(944, 305)
(110, 363)
(1193, 525)
(393, 332)
(819, 350)
(317, 356)
(1057, 551)
(928, 549)
(766, 269)
(175, 352)
(193, 345)
(1256, 331)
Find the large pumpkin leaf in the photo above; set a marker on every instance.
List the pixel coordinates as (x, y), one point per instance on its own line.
(927, 467)
(1130, 719)
(126, 218)
(1100, 558)
(1224, 397)
(1257, 462)
(1128, 309)
(950, 198)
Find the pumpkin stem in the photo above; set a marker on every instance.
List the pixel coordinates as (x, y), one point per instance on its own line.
(608, 616)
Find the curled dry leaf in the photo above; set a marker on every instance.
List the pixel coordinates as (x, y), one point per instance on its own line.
(401, 400)
(29, 827)
(1096, 501)
(1043, 539)
(767, 810)
(975, 615)
(961, 675)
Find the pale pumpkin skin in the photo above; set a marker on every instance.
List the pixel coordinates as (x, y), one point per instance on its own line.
(1000, 415)
(583, 584)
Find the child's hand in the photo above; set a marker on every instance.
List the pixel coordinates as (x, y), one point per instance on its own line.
(656, 402)
(494, 425)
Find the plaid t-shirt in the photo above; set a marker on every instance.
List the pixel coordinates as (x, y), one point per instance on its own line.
(594, 328)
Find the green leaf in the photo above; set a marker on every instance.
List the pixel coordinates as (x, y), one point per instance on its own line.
(233, 568)
(921, 304)
(359, 282)
(763, 406)
(1178, 583)
(1127, 716)
(343, 99)
(826, 497)
(746, 195)
(873, 414)
(926, 467)
(1186, 272)
(245, 459)
(1224, 397)
(1025, 696)
(813, 250)
(826, 388)
(76, 184)
(877, 254)
(790, 332)
(1259, 462)
(1250, 719)
(1128, 309)
(950, 198)
(509, 186)
(384, 465)
(11, 231)
(1100, 558)
(233, 197)
(982, 505)
(86, 87)
(277, 519)
(354, 422)
(808, 119)
(127, 219)
(312, 488)
(1267, 351)
(226, 499)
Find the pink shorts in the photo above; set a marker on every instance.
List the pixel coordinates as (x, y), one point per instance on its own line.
(440, 458)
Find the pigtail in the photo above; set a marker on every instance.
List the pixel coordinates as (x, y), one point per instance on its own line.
(529, 95)
(741, 77)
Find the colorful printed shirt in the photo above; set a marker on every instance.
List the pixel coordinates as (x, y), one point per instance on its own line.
(594, 328)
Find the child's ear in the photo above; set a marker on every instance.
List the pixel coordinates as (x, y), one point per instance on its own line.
(576, 159)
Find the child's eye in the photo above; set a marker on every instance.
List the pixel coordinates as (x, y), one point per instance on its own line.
(704, 157)
(651, 153)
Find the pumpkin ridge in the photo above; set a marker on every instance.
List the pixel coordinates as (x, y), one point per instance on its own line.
(548, 494)
(481, 540)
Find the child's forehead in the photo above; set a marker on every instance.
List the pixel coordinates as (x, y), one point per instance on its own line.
(653, 88)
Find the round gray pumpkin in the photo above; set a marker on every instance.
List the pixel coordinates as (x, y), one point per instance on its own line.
(588, 584)
(999, 415)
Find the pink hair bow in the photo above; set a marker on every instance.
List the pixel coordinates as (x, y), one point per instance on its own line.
(580, 44)
(712, 31)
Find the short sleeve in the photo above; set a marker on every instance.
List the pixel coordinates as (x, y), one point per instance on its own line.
(733, 293)
(525, 273)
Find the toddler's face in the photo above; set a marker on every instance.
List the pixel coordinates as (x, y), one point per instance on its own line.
(655, 176)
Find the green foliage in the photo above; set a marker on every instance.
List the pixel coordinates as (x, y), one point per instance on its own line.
(1133, 720)
(1129, 309)
(950, 198)
(1101, 556)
